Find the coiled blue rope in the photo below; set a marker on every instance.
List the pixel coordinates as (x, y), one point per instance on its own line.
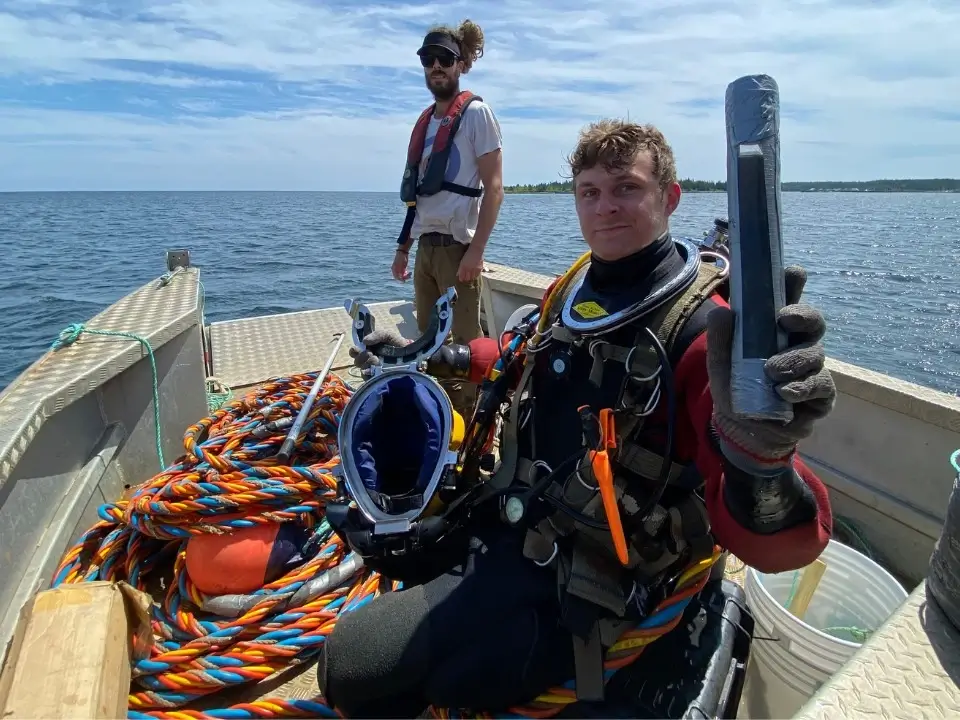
(72, 333)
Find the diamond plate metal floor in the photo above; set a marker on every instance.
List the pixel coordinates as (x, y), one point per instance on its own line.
(248, 351)
(909, 669)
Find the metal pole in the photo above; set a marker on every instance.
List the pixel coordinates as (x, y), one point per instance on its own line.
(286, 450)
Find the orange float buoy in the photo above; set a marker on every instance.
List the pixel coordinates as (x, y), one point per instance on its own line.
(244, 560)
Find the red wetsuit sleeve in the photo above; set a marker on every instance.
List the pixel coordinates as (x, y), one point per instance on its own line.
(788, 549)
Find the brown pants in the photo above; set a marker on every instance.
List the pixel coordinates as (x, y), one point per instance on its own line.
(435, 271)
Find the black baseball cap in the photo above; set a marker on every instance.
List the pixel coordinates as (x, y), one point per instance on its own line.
(439, 39)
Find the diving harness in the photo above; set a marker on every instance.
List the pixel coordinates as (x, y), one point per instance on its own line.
(612, 569)
(571, 513)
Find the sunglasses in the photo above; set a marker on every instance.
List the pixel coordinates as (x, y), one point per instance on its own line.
(446, 59)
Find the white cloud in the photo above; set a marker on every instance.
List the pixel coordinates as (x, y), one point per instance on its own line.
(306, 95)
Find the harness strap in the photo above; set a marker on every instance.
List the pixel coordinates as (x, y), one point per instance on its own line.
(588, 664)
(644, 462)
(461, 189)
(585, 592)
(601, 352)
(589, 577)
(509, 450)
(666, 324)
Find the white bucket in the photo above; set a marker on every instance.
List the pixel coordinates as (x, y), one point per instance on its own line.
(783, 674)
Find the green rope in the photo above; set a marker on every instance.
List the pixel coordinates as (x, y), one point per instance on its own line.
(857, 634)
(72, 333)
(854, 536)
(218, 394)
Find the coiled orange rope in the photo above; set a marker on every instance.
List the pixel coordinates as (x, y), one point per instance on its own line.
(227, 479)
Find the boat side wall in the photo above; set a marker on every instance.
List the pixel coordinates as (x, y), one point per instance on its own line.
(883, 452)
(84, 448)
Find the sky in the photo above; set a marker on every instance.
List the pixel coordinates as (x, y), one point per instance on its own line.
(322, 94)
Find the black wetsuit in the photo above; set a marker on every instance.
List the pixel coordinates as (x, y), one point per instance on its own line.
(486, 634)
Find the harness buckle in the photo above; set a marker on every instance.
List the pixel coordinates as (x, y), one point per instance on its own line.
(639, 379)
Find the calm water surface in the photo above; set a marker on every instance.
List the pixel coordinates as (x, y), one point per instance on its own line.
(885, 268)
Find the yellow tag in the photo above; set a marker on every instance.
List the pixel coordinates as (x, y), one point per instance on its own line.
(589, 309)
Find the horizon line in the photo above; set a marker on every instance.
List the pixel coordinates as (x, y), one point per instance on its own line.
(392, 192)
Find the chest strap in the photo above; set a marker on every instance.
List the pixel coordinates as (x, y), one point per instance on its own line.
(599, 598)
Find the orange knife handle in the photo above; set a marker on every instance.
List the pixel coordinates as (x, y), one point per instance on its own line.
(608, 428)
(604, 477)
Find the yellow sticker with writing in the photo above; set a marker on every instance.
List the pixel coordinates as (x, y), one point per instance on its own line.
(589, 309)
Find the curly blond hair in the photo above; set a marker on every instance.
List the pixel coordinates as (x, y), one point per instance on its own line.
(469, 37)
(615, 144)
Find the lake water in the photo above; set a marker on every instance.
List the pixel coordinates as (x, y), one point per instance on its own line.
(885, 268)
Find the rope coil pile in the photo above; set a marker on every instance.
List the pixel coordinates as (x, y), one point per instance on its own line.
(226, 479)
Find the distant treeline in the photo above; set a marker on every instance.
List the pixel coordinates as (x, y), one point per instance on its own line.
(933, 185)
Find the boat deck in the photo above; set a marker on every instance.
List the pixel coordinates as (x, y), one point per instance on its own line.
(909, 668)
(250, 350)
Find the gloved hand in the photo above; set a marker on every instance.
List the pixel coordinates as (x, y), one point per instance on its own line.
(365, 359)
(798, 374)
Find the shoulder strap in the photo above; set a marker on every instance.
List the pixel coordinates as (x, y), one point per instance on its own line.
(451, 120)
(418, 136)
(668, 324)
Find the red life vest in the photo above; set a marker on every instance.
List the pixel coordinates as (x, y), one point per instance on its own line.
(411, 187)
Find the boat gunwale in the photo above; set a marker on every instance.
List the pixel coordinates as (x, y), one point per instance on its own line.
(920, 402)
(59, 378)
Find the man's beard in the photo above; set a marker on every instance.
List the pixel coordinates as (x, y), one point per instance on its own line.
(446, 92)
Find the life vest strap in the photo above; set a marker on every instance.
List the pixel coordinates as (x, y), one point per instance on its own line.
(461, 189)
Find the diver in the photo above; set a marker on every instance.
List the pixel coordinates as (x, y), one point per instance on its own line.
(627, 358)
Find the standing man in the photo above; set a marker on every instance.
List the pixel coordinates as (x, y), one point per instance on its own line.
(453, 159)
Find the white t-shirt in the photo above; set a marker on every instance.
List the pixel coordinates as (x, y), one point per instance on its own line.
(448, 212)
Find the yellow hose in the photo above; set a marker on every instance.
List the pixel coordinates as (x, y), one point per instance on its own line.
(555, 292)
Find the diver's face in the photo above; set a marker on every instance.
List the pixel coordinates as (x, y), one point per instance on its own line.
(441, 71)
(623, 210)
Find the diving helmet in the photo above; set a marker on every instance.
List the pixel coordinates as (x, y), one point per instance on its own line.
(399, 435)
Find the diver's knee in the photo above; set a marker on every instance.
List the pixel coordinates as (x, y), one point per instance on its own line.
(342, 669)
(373, 654)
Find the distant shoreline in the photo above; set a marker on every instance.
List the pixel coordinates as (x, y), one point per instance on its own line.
(935, 185)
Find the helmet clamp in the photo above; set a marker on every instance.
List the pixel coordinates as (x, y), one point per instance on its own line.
(398, 433)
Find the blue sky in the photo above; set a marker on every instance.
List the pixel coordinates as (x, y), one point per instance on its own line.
(320, 95)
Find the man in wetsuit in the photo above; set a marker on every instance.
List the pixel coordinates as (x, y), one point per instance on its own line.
(494, 631)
